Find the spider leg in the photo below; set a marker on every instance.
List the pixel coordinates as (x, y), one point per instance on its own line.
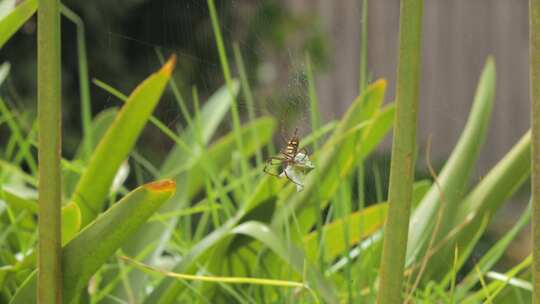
(269, 163)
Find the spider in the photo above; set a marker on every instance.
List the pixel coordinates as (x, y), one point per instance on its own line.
(289, 156)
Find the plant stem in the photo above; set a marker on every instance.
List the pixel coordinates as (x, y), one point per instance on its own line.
(534, 38)
(403, 148)
(84, 84)
(49, 120)
(248, 95)
(362, 79)
(229, 82)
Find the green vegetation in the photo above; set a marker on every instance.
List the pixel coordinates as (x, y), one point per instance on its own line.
(214, 228)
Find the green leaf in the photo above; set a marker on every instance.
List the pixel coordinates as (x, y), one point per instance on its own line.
(12, 22)
(99, 126)
(360, 224)
(85, 254)
(497, 286)
(94, 185)
(495, 188)
(454, 177)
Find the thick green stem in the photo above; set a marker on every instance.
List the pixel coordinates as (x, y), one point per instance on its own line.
(534, 32)
(49, 120)
(403, 148)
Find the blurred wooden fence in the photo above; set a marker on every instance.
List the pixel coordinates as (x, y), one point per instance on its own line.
(458, 36)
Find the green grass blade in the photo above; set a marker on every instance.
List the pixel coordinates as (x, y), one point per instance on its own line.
(12, 22)
(94, 185)
(246, 91)
(99, 126)
(229, 82)
(497, 286)
(488, 196)
(17, 135)
(403, 150)
(212, 114)
(84, 84)
(288, 253)
(85, 254)
(362, 79)
(313, 101)
(490, 258)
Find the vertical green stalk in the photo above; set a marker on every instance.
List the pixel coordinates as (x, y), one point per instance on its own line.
(313, 101)
(246, 90)
(362, 79)
(49, 120)
(403, 147)
(534, 38)
(362, 84)
(86, 108)
(315, 125)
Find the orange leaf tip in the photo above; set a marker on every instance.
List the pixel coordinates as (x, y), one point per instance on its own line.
(162, 185)
(168, 67)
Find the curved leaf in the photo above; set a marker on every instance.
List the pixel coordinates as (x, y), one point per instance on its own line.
(454, 176)
(94, 185)
(83, 255)
(12, 22)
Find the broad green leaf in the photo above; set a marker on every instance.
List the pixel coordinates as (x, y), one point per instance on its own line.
(212, 113)
(99, 126)
(493, 190)
(453, 178)
(85, 254)
(94, 185)
(335, 232)
(360, 224)
(12, 22)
